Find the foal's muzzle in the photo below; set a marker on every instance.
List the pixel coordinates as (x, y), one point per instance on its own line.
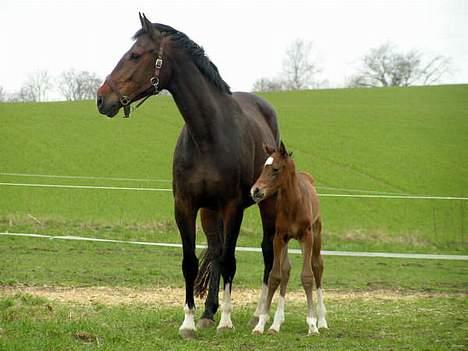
(257, 194)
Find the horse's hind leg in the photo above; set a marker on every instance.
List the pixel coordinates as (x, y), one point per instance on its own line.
(285, 272)
(209, 273)
(317, 267)
(232, 219)
(307, 278)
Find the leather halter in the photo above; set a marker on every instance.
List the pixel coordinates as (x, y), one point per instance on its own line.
(153, 89)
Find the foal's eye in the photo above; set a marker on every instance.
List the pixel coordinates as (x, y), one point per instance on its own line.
(134, 56)
(274, 171)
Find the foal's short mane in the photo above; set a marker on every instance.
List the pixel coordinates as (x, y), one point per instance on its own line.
(206, 67)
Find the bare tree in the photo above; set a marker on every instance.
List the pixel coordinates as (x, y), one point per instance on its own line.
(80, 85)
(268, 84)
(385, 66)
(2, 94)
(36, 87)
(299, 69)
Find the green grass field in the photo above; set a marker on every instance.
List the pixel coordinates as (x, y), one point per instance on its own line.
(410, 141)
(372, 303)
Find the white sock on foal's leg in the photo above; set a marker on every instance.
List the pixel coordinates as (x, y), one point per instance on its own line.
(261, 301)
(321, 310)
(279, 316)
(225, 321)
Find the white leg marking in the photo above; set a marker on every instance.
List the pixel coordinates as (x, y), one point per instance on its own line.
(225, 321)
(260, 327)
(312, 323)
(321, 310)
(279, 315)
(261, 301)
(189, 320)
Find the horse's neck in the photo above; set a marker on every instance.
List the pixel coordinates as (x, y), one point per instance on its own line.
(289, 193)
(201, 104)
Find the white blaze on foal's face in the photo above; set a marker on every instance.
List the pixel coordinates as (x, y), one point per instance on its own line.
(269, 161)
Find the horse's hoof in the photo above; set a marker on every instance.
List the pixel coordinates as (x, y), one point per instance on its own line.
(273, 331)
(257, 332)
(322, 324)
(313, 332)
(187, 334)
(224, 330)
(205, 323)
(253, 321)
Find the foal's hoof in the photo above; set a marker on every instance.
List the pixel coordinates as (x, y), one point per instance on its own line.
(187, 334)
(322, 324)
(224, 330)
(273, 331)
(205, 323)
(253, 321)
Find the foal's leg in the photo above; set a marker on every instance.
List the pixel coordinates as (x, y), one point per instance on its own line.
(232, 218)
(317, 267)
(307, 278)
(185, 216)
(212, 224)
(268, 215)
(273, 282)
(285, 272)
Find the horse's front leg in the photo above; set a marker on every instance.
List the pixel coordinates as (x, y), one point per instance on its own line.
(285, 272)
(268, 215)
(232, 218)
(274, 281)
(185, 216)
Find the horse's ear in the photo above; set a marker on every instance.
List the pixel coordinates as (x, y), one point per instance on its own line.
(268, 149)
(146, 25)
(283, 150)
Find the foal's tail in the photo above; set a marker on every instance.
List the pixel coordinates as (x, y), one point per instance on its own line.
(204, 273)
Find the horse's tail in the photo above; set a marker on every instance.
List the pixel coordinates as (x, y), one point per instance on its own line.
(204, 273)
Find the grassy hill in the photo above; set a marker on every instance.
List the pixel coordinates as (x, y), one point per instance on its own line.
(354, 141)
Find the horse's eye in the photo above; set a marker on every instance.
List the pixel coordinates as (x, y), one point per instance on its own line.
(134, 56)
(275, 171)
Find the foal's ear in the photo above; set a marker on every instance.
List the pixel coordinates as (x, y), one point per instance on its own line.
(268, 149)
(147, 26)
(283, 150)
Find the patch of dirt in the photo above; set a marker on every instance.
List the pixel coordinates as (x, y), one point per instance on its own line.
(176, 296)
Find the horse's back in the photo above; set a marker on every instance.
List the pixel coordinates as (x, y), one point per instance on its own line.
(258, 111)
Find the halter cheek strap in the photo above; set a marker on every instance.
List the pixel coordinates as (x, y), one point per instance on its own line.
(126, 100)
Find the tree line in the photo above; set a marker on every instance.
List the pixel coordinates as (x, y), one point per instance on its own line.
(72, 85)
(383, 66)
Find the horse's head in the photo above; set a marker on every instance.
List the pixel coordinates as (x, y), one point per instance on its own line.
(142, 71)
(277, 165)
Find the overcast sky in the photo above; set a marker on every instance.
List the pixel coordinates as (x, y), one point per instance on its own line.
(246, 39)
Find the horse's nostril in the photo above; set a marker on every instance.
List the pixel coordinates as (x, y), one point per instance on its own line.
(99, 101)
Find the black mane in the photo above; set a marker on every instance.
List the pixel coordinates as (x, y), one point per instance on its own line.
(206, 67)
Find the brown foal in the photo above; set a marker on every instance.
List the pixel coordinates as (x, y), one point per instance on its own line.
(297, 217)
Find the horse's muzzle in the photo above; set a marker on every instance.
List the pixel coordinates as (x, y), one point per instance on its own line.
(257, 194)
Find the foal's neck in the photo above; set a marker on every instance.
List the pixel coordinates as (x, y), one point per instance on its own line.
(201, 104)
(288, 192)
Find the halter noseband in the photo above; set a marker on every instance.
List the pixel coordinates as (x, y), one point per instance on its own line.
(126, 100)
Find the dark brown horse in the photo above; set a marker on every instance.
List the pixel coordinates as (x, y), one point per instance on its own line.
(217, 158)
(297, 217)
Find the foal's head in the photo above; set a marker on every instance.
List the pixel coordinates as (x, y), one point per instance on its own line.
(277, 166)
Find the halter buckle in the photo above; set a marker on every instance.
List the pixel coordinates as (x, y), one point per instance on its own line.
(159, 62)
(155, 82)
(124, 100)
